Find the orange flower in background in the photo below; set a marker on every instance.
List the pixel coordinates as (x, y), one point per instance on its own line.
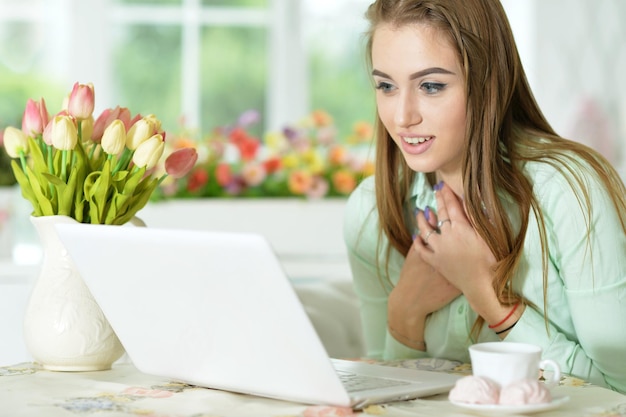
(321, 118)
(363, 130)
(344, 181)
(300, 182)
(337, 155)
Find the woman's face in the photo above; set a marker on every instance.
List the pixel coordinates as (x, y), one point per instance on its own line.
(420, 93)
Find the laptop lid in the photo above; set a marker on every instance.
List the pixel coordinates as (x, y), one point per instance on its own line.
(214, 309)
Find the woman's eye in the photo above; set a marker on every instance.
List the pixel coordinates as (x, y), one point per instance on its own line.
(432, 88)
(384, 87)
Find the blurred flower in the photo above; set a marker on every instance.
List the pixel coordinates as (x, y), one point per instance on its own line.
(306, 159)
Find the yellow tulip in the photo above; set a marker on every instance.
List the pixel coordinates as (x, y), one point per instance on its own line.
(114, 138)
(15, 142)
(149, 152)
(138, 133)
(63, 133)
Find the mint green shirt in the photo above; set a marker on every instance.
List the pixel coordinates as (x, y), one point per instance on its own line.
(586, 332)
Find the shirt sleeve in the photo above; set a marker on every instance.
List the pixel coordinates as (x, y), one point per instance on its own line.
(371, 278)
(592, 266)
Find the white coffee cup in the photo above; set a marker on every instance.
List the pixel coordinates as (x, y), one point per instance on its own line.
(509, 362)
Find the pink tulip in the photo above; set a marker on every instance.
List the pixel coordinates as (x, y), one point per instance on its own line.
(82, 100)
(47, 134)
(35, 117)
(180, 162)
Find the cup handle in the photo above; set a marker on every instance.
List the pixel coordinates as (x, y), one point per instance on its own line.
(556, 372)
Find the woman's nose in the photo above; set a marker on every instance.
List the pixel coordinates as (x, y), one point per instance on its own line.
(407, 110)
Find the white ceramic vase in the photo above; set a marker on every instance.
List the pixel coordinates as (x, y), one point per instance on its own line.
(64, 328)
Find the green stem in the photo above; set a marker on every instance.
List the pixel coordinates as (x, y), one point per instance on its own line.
(50, 167)
(161, 179)
(123, 161)
(80, 132)
(63, 165)
(23, 161)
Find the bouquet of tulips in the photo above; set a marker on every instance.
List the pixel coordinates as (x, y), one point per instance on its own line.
(101, 171)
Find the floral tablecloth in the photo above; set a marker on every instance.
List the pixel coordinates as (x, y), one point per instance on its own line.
(28, 390)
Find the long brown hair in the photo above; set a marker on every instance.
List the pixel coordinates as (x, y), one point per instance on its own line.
(505, 128)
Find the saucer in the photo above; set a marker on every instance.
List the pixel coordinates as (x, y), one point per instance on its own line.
(498, 409)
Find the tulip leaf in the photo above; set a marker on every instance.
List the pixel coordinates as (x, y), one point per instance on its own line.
(25, 186)
(66, 194)
(43, 202)
(139, 200)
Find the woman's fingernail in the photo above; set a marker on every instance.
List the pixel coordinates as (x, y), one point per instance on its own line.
(427, 213)
(438, 186)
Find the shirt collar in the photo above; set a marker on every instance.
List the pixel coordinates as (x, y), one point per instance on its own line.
(422, 193)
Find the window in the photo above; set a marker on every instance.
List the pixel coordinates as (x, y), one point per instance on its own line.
(203, 62)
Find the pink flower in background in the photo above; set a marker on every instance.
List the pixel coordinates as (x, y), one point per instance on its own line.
(248, 118)
(253, 174)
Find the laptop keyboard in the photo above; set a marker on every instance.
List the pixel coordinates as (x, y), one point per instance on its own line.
(356, 382)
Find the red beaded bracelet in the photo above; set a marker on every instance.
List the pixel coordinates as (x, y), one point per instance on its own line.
(506, 318)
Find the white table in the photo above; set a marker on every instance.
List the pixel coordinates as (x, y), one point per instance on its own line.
(26, 390)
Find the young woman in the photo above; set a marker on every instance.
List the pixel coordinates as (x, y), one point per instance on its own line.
(481, 223)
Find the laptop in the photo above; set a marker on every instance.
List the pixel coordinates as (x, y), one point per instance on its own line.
(216, 310)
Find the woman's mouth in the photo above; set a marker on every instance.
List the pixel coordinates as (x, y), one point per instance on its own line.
(416, 140)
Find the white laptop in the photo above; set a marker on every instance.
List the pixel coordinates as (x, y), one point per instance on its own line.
(216, 310)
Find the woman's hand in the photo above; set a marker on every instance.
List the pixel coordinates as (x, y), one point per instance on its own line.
(455, 250)
(420, 291)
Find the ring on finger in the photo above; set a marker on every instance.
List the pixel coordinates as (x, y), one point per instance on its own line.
(441, 222)
(428, 235)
